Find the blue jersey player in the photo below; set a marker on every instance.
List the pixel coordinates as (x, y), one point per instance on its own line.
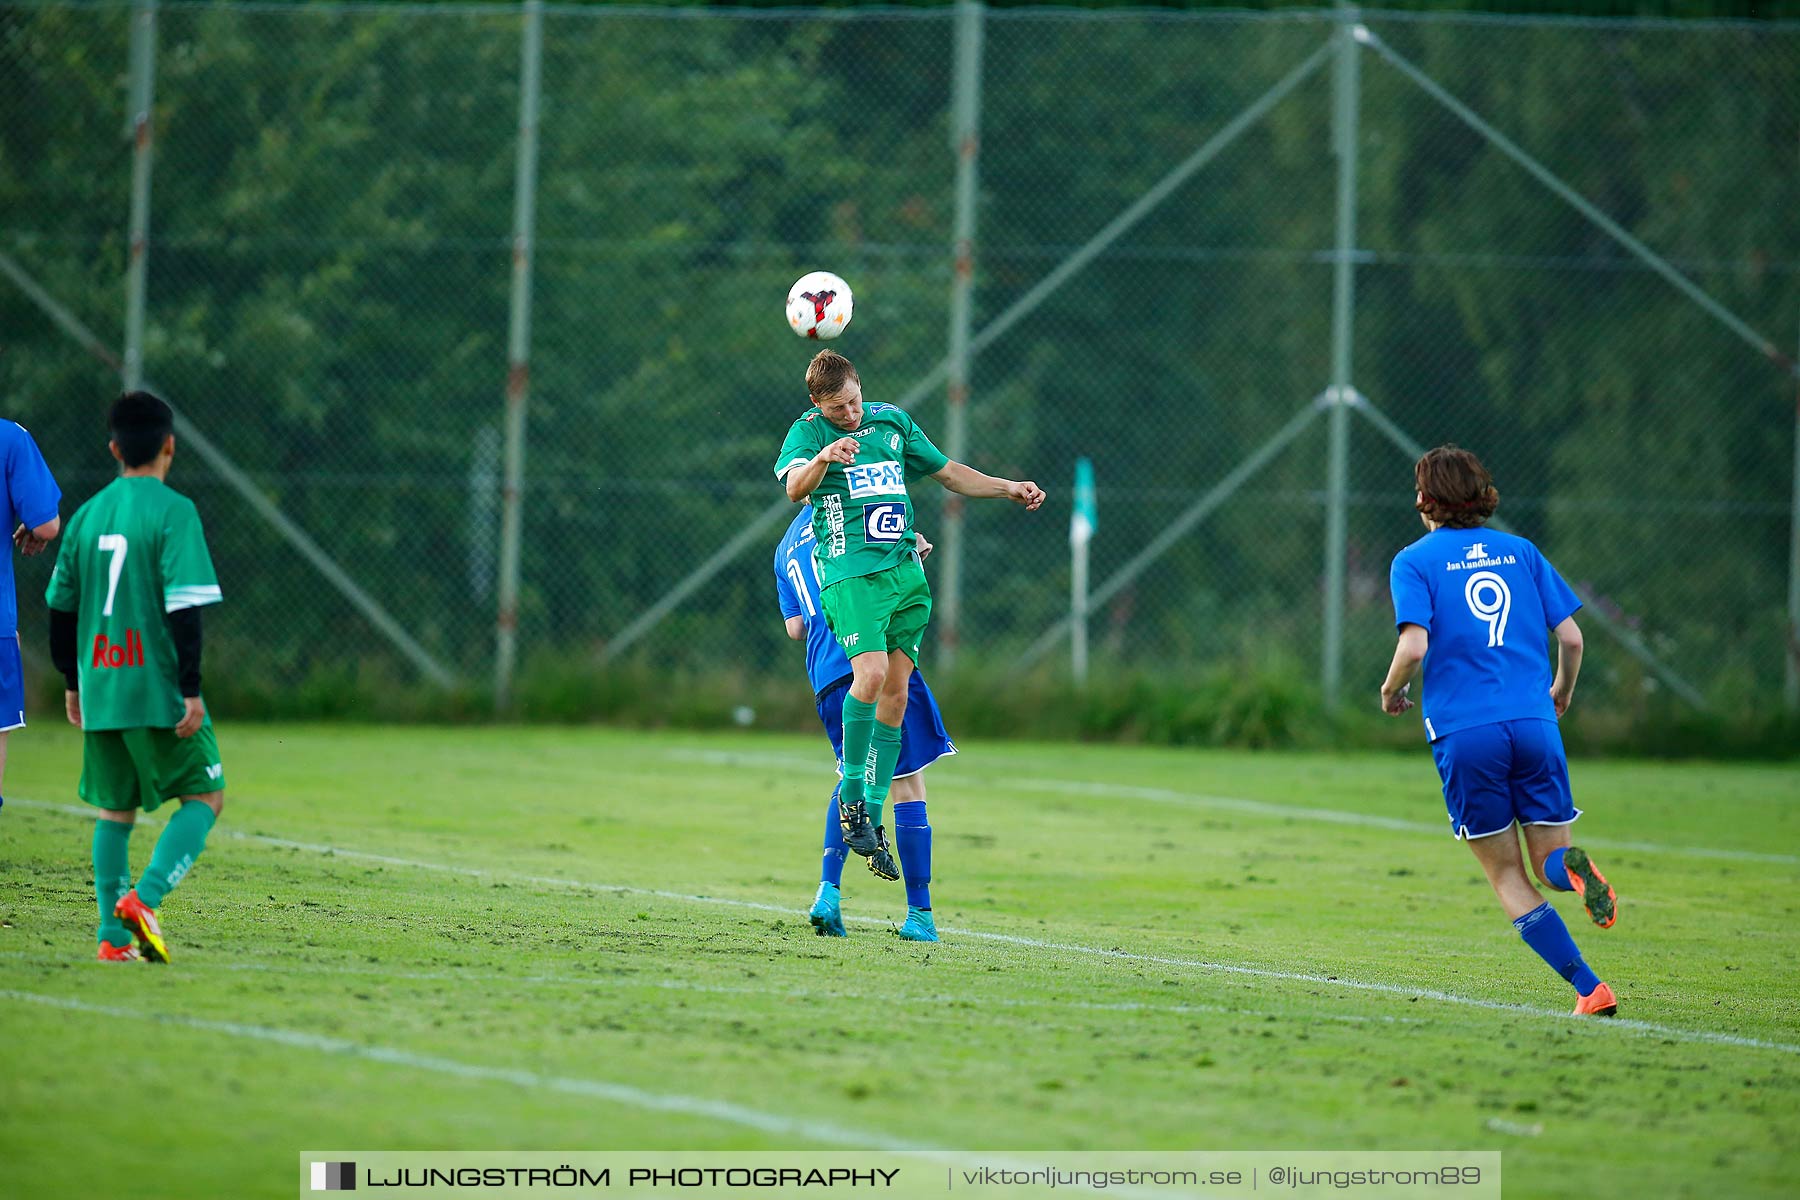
(922, 742)
(30, 495)
(1473, 605)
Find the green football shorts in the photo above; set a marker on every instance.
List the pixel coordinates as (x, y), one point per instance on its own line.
(884, 611)
(140, 768)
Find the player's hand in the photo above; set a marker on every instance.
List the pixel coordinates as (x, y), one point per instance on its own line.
(72, 706)
(1561, 696)
(28, 542)
(1395, 704)
(1025, 492)
(924, 547)
(841, 451)
(191, 719)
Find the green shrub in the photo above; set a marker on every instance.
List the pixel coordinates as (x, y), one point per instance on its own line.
(1265, 704)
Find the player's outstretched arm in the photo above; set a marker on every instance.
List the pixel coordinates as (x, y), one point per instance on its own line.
(967, 481)
(1409, 652)
(800, 481)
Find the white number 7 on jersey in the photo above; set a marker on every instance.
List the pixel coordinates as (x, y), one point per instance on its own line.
(116, 545)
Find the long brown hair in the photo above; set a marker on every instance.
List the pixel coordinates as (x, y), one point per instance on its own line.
(1454, 488)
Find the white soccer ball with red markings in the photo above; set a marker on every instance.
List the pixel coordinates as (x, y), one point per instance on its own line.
(819, 305)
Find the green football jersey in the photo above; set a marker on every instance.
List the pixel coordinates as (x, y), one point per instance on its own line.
(862, 515)
(131, 554)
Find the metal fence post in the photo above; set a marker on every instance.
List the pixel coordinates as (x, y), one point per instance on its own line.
(1791, 688)
(142, 102)
(518, 352)
(965, 137)
(1346, 99)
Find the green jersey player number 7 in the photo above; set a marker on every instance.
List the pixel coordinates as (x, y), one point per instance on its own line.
(854, 462)
(125, 601)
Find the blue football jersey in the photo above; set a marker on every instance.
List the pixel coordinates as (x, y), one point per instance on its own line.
(31, 499)
(797, 588)
(1486, 600)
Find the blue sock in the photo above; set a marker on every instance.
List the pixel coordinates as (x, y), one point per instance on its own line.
(1555, 874)
(831, 867)
(912, 837)
(1545, 933)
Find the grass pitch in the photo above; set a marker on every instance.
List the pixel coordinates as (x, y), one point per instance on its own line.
(583, 939)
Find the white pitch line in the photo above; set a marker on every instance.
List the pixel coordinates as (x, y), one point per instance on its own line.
(330, 851)
(616, 1093)
(1263, 808)
(1237, 804)
(622, 983)
(1675, 1033)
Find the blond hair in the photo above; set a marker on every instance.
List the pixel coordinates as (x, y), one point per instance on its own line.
(827, 374)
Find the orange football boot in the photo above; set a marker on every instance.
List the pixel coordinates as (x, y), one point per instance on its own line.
(112, 953)
(1597, 894)
(1598, 1003)
(140, 918)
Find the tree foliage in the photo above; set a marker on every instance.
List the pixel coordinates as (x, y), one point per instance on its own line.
(330, 263)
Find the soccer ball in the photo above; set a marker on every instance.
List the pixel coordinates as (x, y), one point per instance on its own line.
(818, 305)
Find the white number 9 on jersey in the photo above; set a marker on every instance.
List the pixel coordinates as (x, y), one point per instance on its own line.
(1491, 601)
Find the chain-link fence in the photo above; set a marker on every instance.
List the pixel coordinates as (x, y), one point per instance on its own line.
(1164, 230)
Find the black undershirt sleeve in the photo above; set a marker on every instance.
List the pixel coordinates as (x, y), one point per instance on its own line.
(62, 647)
(184, 628)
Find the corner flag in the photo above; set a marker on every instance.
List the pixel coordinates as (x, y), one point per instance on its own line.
(1082, 522)
(1084, 519)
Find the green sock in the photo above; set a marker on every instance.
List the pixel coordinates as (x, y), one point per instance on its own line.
(884, 752)
(182, 840)
(859, 728)
(112, 877)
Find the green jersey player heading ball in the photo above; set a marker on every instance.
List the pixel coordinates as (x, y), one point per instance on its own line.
(854, 462)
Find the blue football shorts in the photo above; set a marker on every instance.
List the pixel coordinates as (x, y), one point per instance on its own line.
(1504, 772)
(922, 737)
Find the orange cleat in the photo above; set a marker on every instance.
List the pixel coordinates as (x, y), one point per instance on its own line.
(1598, 1003)
(140, 918)
(1597, 894)
(112, 953)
